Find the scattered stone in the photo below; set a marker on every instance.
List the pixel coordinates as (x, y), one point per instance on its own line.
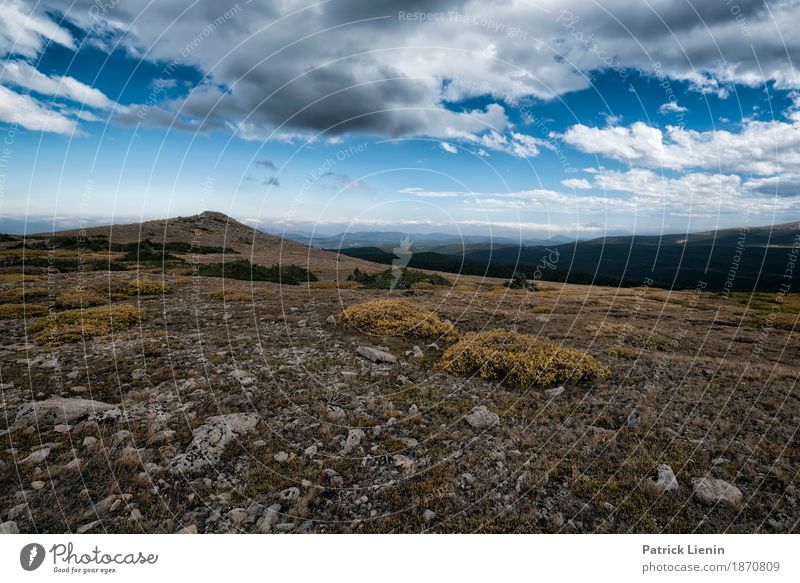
(402, 380)
(354, 437)
(634, 419)
(73, 465)
(428, 516)
(404, 462)
(89, 441)
(290, 494)
(37, 457)
(416, 352)
(335, 414)
(191, 529)
(481, 418)
(62, 428)
(136, 515)
(259, 443)
(87, 527)
(713, 491)
(330, 319)
(281, 457)
(237, 516)
(209, 441)
(665, 478)
(37, 485)
(268, 519)
(376, 355)
(310, 451)
(17, 511)
(9, 527)
(554, 392)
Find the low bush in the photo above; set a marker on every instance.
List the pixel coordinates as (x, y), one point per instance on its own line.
(396, 318)
(19, 311)
(231, 295)
(80, 298)
(390, 279)
(520, 281)
(75, 325)
(246, 271)
(17, 278)
(21, 294)
(519, 360)
(147, 287)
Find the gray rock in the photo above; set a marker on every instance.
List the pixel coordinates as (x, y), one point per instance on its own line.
(354, 437)
(554, 392)
(376, 355)
(37, 485)
(713, 491)
(56, 410)
(9, 527)
(191, 529)
(330, 319)
(89, 526)
(17, 511)
(665, 478)
(481, 418)
(37, 457)
(634, 419)
(428, 516)
(210, 439)
(290, 494)
(268, 519)
(416, 352)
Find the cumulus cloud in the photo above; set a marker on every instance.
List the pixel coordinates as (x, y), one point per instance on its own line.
(24, 30)
(671, 107)
(23, 75)
(448, 148)
(27, 112)
(576, 183)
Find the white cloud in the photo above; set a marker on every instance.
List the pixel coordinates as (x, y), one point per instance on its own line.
(671, 107)
(23, 30)
(23, 75)
(25, 111)
(576, 183)
(448, 147)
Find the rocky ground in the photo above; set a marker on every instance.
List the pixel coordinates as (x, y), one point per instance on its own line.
(268, 415)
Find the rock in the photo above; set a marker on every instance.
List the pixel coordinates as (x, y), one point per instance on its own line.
(404, 462)
(136, 515)
(634, 419)
(290, 494)
(665, 478)
(481, 418)
(56, 410)
(354, 437)
(713, 491)
(17, 511)
(37, 485)
(191, 529)
(237, 516)
(259, 443)
(73, 465)
(102, 508)
(89, 441)
(87, 527)
(416, 352)
(268, 519)
(62, 428)
(376, 355)
(428, 516)
(9, 527)
(302, 323)
(210, 439)
(310, 451)
(37, 457)
(330, 319)
(281, 457)
(555, 392)
(335, 414)
(402, 380)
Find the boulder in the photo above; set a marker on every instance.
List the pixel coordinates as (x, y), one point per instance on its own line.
(481, 418)
(665, 478)
(712, 491)
(56, 410)
(376, 355)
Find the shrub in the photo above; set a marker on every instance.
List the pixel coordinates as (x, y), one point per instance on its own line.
(147, 287)
(230, 295)
(19, 311)
(74, 325)
(80, 298)
(17, 277)
(21, 294)
(520, 281)
(244, 270)
(391, 280)
(518, 360)
(396, 318)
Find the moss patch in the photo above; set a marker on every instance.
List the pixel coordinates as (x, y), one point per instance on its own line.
(19, 311)
(75, 325)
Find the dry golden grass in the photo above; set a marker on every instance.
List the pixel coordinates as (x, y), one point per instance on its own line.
(231, 295)
(396, 318)
(147, 287)
(81, 298)
(19, 311)
(17, 278)
(518, 360)
(74, 325)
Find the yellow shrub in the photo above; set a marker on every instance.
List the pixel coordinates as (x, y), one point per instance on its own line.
(231, 295)
(81, 298)
(147, 287)
(396, 318)
(518, 360)
(20, 294)
(74, 325)
(541, 310)
(19, 311)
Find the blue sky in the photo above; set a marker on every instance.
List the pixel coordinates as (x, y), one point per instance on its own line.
(513, 118)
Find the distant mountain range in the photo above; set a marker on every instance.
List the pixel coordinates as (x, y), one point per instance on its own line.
(739, 259)
(387, 240)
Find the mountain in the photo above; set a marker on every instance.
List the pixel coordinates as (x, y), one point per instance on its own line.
(743, 259)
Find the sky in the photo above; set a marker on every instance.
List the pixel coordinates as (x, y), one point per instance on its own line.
(529, 119)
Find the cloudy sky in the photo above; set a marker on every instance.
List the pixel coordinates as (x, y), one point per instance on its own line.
(534, 118)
